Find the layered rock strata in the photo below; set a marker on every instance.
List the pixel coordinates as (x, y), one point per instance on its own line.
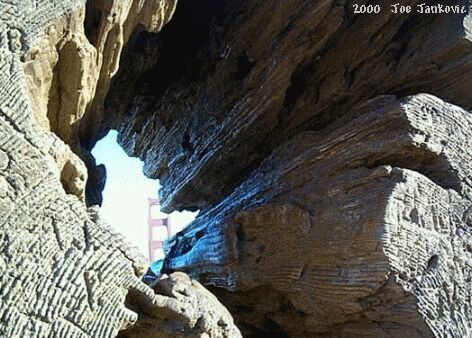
(358, 230)
(264, 71)
(329, 153)
(327, 208)
(64, 272)
(70, 65)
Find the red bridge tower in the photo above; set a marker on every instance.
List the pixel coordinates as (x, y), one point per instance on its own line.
(159, 229)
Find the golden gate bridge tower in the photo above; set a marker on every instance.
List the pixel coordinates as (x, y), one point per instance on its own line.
(159, 229)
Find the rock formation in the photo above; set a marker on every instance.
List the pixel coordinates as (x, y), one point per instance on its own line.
(329, 153)
(64, 272)
(358, 229)
(334, 194)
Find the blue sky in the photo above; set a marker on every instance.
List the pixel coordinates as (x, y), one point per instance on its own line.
(126, 193)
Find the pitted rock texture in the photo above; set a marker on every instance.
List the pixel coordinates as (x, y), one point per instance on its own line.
(64, 272)
(255, 73)
(329, 154)
(70, 65)
(359, 229)
(192, 311)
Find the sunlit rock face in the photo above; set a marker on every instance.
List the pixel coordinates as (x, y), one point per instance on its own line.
(64, 272)
(329, 153)
(359, 229)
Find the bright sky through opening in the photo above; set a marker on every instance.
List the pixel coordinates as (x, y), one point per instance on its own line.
(126, 193)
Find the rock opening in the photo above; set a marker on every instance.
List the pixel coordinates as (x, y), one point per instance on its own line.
(125, 199)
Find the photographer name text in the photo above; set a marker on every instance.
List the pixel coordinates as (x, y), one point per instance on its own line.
(422, 8)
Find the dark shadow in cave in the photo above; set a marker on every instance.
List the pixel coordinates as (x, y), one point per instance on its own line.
(185, 50)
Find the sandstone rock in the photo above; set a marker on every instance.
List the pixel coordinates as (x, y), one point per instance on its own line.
(190, 311)
(64, 272)
(355, 230)
(329, 153)
(265, 123)
(255, 73)
(69, 68)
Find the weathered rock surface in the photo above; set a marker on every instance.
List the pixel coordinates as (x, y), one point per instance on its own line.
(69, 69)
(65, 273)
(326, 207)
(329, 153)
(190, 311)
(262, 71)
(359, 229)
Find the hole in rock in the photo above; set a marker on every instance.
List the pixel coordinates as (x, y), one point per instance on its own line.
(185, 51)
(130, 202)
(433, 262)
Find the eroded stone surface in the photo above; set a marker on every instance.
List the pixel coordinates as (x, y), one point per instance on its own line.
(330, 207)
(263, 71)
(69, 68)
(190, 311)
(266, 123)
(64, 272)
(354, 230)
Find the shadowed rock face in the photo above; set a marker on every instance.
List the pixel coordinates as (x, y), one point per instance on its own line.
(267, 71)
(334, 193)
(329, 153)
(357, 229)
